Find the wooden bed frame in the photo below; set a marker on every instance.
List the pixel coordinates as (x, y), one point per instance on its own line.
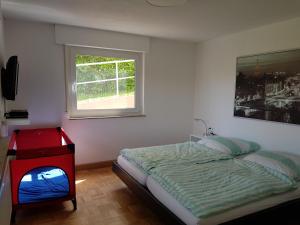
(266, 216)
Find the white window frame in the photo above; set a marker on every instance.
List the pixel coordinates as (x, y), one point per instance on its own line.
(73, 112)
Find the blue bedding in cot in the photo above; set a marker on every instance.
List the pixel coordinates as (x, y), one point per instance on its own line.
(43, 183)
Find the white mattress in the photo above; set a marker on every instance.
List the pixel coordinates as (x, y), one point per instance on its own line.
(134, 171)
(188, 218)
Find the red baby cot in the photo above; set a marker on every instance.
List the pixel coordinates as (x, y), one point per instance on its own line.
(43, 169)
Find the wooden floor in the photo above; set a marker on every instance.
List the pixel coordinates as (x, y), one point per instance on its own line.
(102, 198)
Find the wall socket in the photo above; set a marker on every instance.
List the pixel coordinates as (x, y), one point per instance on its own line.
(210, 131)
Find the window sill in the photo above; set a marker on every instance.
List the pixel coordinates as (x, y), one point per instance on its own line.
(102, 117)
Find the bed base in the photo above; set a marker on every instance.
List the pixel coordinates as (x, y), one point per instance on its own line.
(266, 216)
(145, 195)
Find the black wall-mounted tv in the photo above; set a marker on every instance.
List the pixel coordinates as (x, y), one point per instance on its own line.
(9, 78)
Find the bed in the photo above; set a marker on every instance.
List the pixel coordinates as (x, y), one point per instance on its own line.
(139, 162)
(132, 170)
(174, 212)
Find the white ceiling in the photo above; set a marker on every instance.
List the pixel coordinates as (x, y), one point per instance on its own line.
(196, 20)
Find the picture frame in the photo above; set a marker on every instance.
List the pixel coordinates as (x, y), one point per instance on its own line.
(268, 86)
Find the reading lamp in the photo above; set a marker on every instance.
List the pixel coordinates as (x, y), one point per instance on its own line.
(204, 123)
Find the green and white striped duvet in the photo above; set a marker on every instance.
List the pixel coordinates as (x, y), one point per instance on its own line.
(211, 188)
(149, 158)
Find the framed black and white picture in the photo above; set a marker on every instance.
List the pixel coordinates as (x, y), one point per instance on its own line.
(268, 87)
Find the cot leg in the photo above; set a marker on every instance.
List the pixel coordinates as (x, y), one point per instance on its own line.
(13, 216)
(74, 201)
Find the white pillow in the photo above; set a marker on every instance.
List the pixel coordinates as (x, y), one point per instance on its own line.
(233, 146)
(283, 162)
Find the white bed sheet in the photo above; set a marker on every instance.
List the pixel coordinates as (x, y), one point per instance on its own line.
(188, 218)
(134, 171)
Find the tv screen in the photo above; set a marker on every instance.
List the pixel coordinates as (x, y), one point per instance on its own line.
(9, 78)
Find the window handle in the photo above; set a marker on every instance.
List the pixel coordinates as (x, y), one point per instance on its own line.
(74, 87)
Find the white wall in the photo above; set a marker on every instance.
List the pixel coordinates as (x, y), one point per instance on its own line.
(1, 38)
(169, 81)
(71, 35)
(1, 41)
(215, 84)
(41, 75)
(2, 59)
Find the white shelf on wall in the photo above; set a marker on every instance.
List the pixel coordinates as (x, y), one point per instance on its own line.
(18, 121)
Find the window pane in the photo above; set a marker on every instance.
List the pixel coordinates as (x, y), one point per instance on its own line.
(91, 90)
(105, 82)
(95, 72)
(127, 86)
(126, 69)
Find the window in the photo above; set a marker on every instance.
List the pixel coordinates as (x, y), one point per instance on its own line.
(104, 83)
